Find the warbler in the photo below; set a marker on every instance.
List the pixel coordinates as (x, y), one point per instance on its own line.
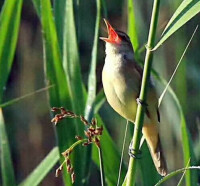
(121, 77)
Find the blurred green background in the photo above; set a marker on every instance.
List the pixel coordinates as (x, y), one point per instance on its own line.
(28, 122)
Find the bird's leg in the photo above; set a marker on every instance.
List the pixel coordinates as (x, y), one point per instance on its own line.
(141, 102)
(133, 153)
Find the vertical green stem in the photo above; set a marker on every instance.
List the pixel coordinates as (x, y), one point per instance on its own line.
(145, 79)
(103, 183)
(92, 83)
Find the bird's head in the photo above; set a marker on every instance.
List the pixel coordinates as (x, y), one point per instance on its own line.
(117, 41)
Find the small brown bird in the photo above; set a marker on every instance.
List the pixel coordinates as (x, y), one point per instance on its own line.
(122, 78)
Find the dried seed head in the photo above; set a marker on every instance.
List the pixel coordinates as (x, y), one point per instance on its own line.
(68, 162)
(70, 114)
(71, 170)
(58, 171)
(73, 177)
(62, 110)
(91, 129)
(54, 109)
(92, 134)
(100, 128)
(94, 122)
(70, 151)
(55, 120)
(97, 142)
(98, 132)
(87, 133)
(85, 144)
(78, 137)
(85, 122)
(68, 168)
(89, 139)
(67, 153)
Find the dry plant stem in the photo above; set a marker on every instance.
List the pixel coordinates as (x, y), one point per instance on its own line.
(103, 183)
(145, 79)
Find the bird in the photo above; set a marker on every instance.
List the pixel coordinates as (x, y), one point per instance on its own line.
(121, 78)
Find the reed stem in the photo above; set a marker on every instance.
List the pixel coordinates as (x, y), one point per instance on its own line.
(145, 79)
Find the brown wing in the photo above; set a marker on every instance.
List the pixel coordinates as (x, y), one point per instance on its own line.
(133, 74)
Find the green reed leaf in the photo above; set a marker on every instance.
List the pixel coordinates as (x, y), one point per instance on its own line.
(185, 12)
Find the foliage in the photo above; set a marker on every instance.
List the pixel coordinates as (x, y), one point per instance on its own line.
(71, 54)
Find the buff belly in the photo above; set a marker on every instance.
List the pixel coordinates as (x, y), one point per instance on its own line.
(123, 101)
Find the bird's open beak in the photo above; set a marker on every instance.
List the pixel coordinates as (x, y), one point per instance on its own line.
(112, 34)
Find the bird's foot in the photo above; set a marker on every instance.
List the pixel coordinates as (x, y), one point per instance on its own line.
(141, 102)
(133, 153)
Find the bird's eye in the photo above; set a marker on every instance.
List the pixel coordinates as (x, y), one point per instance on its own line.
(124, 57)
(125, 38)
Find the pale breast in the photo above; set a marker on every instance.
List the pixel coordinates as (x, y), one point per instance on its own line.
(121, 81)
(120, 91)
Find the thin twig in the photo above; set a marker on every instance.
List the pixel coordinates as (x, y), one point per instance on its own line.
(180, 181)
(15, 100)
(165, 90)
(122, 154)
(164, 179)
(103, 183)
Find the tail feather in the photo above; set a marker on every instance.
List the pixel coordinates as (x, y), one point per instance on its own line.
(159, 159)
(150, 132)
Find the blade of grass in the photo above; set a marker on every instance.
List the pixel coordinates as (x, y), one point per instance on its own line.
(186, 145)
(181, 180)
(42, 169)
(175, 173)
(60, 95)
(181, 75)
(188, 151)
(104, 7)
(149, 175)
(186, 11)
(9, 28)
(190, 177)
(37, 6)
(71, 65)
(59, 12)
(131, 25)
(89, 111)
(197, 142)
(16, 100)
(91, 97)
(7, 170)
(71, 61)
